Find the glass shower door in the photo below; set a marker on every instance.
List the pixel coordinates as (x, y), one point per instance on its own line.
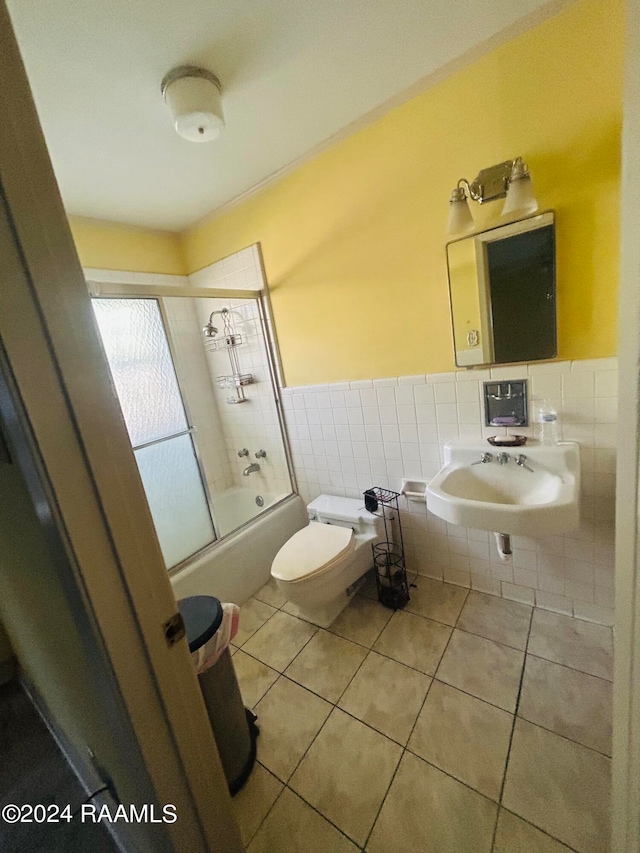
(135, 342)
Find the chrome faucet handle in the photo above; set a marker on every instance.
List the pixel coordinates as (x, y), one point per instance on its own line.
(243, 452)
(484, 457)
(260, 454)
(503, 458)
(521, 460)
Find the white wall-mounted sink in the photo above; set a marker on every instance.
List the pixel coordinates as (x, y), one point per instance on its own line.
(508, 498)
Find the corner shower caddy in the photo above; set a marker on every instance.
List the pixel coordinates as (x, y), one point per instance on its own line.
(230, 341)
(388, 556)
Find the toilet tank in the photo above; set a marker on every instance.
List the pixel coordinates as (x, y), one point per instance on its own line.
(346, 512)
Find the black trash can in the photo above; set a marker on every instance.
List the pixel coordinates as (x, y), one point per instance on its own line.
(233, 725)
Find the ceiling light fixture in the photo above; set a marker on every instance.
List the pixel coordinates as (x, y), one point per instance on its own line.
(510, 179)
(193, 95)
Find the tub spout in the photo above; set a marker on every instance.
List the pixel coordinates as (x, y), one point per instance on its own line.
(250, 469)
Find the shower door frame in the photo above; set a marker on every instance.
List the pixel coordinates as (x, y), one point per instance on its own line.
(123, 290)
(191, 431)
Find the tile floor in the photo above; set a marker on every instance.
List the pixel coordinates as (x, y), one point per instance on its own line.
(462, 724)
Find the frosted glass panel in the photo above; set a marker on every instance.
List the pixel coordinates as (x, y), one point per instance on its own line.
(136, 345)
(176, 497)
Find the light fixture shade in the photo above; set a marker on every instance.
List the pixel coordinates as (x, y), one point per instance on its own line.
(194, 97)
(520, 196)
(460, 218)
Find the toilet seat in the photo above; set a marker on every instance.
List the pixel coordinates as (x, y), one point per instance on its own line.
(312, 551)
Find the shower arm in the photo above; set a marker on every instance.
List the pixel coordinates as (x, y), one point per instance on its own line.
(224, 312)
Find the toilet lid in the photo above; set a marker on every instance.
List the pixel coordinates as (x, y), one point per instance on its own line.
(312, 550)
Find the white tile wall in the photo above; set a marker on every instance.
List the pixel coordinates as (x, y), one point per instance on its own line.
(240, 271)
(253, 424)
(195, 384)
(346, 437)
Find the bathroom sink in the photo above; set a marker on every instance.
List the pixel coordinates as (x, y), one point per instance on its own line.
(536, 498)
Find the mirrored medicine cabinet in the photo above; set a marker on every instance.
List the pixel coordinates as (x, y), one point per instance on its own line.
(502, 286)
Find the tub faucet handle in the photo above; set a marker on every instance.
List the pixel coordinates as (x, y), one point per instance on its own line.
(260, 454)
(243, 452)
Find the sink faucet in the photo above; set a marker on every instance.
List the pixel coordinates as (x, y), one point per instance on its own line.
(521, 460)
(250, 469)
(502, 458)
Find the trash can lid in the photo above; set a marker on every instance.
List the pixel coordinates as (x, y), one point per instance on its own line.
(202, 615)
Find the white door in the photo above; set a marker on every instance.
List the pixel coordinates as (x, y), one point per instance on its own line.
(94, 593)
(626, 728)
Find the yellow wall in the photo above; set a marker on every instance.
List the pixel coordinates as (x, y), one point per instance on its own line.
(109, 245)
(353, 241)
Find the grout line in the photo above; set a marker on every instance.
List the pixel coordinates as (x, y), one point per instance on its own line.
(256, 631)
(544, 832)
(271, 807)
(572, 668)
(360, 665)
(323, 816)
(564, 737)
(373, 729)
(415, 722)
(513, 728)
(491, 639)
(455, 778)
(473, 696)
(384, 798)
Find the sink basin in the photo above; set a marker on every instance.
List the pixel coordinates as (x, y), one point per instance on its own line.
(509, 498)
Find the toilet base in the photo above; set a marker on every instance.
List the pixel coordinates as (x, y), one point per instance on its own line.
(321, 615)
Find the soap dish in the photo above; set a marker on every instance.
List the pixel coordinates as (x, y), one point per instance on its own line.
(414, 490)
(507, 440)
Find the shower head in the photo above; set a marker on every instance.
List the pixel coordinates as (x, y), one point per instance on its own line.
(209, 331)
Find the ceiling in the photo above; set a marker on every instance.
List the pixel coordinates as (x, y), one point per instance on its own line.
(294, 73)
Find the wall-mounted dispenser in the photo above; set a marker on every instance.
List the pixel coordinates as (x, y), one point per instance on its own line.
(505, 403)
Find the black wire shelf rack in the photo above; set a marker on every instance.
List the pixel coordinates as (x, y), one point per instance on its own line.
(388, 555)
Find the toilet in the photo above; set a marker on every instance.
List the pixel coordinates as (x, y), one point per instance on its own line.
(319, 565)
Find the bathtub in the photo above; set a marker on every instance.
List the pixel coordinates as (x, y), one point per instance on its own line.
(236, 506)
(236, 567)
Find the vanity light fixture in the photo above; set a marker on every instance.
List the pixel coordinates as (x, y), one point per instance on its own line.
(510, 179)
(193, 95)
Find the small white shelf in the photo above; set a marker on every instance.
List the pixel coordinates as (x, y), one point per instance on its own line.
(414, 490)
